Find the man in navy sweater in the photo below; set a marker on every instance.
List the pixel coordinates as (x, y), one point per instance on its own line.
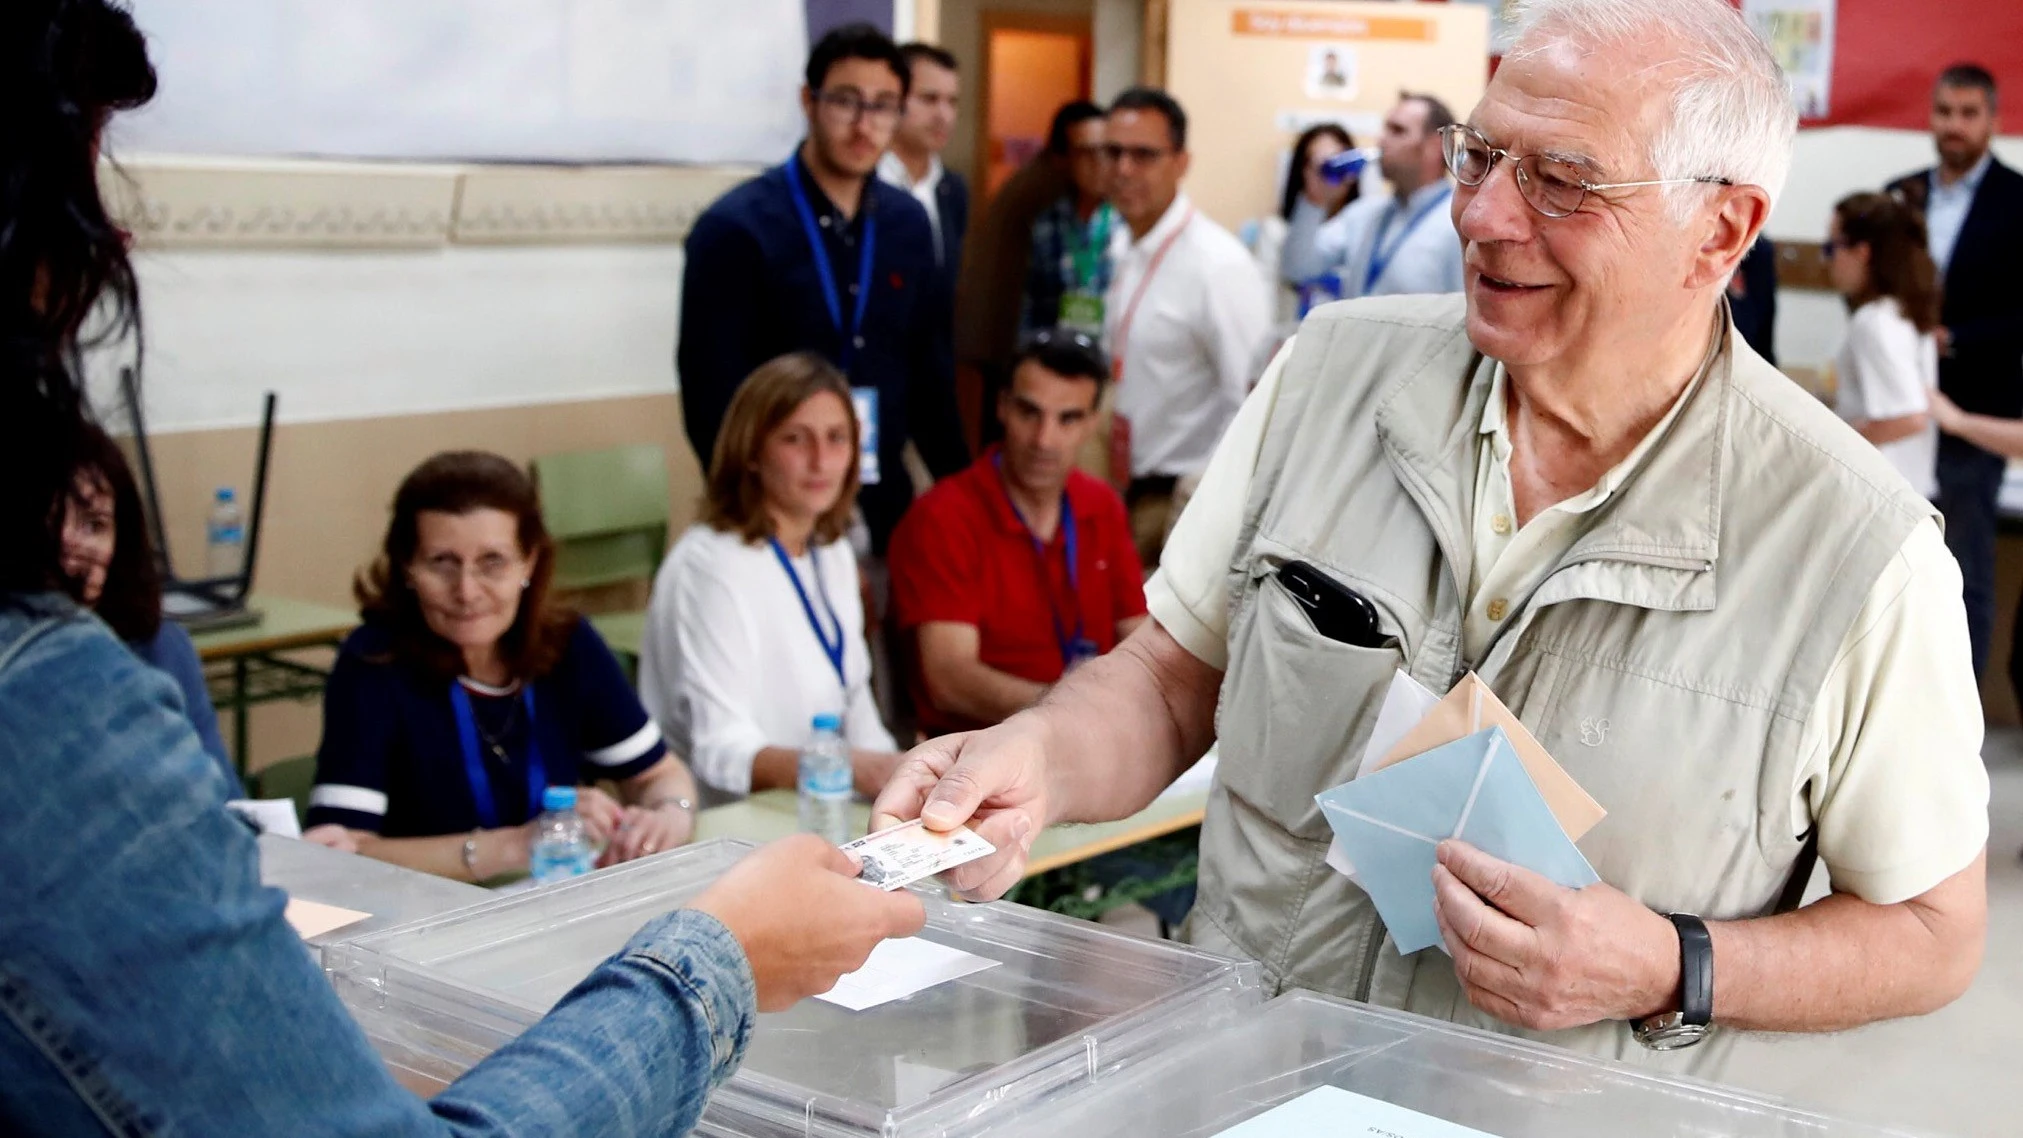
(818, 255)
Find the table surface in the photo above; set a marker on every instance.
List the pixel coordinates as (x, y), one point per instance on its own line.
(284, 623)
(392, 894)
(772, 814)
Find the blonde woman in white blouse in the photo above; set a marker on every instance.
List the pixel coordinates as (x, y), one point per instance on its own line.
(1888, 367)
(756, 624)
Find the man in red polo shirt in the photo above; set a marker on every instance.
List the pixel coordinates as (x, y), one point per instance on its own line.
(1019, 568)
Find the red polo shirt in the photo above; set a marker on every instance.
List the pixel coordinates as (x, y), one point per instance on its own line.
(962, 555)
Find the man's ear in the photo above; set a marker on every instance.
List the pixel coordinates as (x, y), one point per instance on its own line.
(1730, 231)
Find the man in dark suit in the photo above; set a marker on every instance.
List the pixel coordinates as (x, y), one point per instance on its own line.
(934, 93)
(1973, 209)
(819, 255)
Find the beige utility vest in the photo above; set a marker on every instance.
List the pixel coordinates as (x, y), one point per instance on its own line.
(1669, 662)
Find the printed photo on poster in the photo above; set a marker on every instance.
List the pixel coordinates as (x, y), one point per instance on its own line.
(1800, 35)
(1331, 71)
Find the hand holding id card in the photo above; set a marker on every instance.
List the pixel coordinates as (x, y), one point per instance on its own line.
(897, 857)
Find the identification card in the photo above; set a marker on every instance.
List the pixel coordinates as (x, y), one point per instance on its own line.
(1082, 312)
(910, 852)
(866, 401)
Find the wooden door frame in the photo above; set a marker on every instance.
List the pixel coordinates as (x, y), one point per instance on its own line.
(1083, 28)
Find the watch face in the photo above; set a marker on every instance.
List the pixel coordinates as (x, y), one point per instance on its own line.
(1672, 1036)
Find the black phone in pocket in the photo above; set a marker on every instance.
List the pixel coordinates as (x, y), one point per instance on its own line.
(1335, 610)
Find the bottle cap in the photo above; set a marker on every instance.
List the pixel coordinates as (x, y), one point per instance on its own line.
(225, 494)
(558, 798)
(828, 722)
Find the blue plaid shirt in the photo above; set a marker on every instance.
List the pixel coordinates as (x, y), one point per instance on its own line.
(1051, 270)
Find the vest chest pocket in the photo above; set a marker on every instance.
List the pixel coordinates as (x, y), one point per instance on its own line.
(1297, 709)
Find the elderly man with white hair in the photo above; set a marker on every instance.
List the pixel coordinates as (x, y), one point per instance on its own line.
(1727, 618)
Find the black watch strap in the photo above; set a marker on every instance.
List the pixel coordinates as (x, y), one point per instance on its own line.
(1696, 970)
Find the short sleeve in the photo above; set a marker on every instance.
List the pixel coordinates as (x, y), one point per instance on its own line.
(618, 739)
(359, 721)
(1892, 775)
(1188, 595)
(936, 563)
(1883, 363)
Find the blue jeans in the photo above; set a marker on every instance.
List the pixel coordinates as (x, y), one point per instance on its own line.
(149, 985)
(1969, 480)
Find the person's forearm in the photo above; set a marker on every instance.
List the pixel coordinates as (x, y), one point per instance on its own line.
(1149, 701)
(776, 768)
(636, 1047)
(667, 782)
(975, 690)
(498, 852)
(2002, 436)
(1839, 964)
(1883, 431)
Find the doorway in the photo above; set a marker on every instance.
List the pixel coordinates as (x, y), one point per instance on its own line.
(1032, 63)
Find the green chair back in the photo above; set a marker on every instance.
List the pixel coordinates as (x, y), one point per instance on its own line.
(607, 511)
(290, 778)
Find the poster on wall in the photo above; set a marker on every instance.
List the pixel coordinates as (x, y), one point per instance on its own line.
(1800, 35)
(1331, 72)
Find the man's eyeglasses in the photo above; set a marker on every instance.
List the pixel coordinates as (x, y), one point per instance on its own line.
(1138, 155)
(848, 105)
(1555, 187)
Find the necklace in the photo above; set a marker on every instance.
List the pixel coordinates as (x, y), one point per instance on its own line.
(497, 743)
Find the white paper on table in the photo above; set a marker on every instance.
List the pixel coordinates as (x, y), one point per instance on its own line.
(1405, 704)
(311, 919)
(898, 969)
(1331, 1112)
(274, 816)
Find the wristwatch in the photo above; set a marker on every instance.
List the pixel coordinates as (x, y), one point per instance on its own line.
(1672, 1031)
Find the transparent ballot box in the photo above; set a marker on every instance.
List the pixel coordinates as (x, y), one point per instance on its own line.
(1057, 1004)
(1319, 1067)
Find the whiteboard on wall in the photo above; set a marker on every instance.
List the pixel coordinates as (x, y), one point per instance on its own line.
(507, 80)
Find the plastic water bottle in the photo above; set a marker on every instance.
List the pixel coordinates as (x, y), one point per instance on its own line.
(224, 536)
(561, 848)
(826, 781)
(1348, 164)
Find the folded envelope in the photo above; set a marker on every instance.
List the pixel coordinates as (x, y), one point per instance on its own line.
(1406, 702)
(1475, 789)
(1469, 708)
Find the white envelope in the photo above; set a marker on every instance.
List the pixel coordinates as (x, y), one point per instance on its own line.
(1405, 704)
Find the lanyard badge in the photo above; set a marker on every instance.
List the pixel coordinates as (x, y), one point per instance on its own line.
(483, 798)
(853, 333)
(830, 636)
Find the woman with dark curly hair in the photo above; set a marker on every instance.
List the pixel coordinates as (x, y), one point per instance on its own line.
(149, 983)
(106, 552)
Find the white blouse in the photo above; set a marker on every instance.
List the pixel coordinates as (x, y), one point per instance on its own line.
(1884, 371)
(730, 663)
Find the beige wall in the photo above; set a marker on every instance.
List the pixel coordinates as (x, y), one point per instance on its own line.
(1240, 88)
(331, 484)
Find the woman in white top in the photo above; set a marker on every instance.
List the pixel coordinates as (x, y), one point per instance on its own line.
(757, 620)
(1888, 367)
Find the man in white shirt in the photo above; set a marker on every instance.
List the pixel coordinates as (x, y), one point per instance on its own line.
(933, 95)
(1186, 316)
(1394, 246)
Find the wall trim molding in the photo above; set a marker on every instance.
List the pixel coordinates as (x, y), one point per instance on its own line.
(196, 203)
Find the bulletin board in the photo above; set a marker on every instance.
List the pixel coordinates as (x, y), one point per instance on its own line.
(1252, 74)
(1887, 52)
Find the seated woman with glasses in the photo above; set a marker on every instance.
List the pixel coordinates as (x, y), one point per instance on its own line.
(107, 554)
(756, 626)
(466, 694)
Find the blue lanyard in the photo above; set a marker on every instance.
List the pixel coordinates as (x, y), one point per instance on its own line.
(832, 647)
(852, 334)
(474, 761)
(1071, 646)
(1380, 260)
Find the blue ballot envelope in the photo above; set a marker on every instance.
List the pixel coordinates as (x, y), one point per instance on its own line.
(1389, 823)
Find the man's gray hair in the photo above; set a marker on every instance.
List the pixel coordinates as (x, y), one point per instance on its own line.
(1731, 113)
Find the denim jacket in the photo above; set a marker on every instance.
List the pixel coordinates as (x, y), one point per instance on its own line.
(149, 985)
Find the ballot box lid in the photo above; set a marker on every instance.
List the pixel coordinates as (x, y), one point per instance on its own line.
(1058, 1004)
(1316, 1066)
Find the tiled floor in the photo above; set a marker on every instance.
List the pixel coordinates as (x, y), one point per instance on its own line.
(1959, 1071)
